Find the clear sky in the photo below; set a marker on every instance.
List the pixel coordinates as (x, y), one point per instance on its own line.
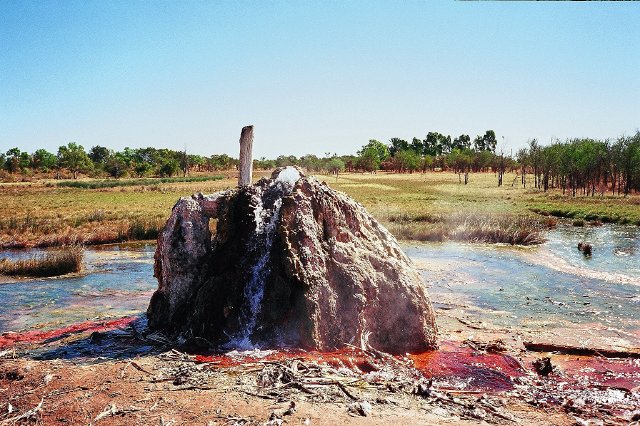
(313, 77)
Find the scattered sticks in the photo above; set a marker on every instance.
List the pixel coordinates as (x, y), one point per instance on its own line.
(26, 415)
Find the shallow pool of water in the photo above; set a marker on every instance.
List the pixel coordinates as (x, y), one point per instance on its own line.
(118, 280)
(551, 286)
(616, 248)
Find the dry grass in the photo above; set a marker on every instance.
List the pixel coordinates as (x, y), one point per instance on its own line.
(44, 215)
(59, 262)
(501, 229)
(428, 207)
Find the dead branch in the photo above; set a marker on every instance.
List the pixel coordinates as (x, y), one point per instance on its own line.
(114, 411)
(577, 350)
(27, 414)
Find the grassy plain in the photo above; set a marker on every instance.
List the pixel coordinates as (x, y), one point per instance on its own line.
(42, 214)
(431, 206)
(436, 206)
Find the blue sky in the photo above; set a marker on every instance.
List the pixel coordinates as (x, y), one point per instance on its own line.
(313, 77)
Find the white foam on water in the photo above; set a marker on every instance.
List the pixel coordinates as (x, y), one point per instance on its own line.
(289, 176)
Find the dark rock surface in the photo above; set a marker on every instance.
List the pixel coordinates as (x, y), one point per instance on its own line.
(293, 263)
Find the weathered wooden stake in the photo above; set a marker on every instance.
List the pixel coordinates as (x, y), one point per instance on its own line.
(246, 156)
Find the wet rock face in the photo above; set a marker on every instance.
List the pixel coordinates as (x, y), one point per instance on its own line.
(292, 262)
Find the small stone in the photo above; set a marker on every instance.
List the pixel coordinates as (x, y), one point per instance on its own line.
(362, 408)
(291, 410)
(543, 366)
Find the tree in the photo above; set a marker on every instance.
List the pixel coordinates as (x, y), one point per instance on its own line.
(335, 165)
(43, 160)
(369, 160)
(461, 160)
(184, 163)
(224, 162)
(169, 168)
(116, 165)
(16, 160)
(99, 155)
(461, 142)
(286, 160)
(488, 142)
(311, 162)
(74, 158)
(436, 144)
(142, 169)
(522, 156)
(397, 145)
(417, 146)
(406, 160)
(381, 150)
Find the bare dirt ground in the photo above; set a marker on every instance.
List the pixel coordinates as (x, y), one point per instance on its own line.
(488, 380)
(134, 392)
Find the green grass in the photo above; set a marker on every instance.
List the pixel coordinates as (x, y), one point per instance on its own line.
(431, 206)
(436, 207)
(113, 183)
(41, 215)
(608, 209)
(58, 262)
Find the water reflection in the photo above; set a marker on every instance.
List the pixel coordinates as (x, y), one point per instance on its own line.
(118, 281)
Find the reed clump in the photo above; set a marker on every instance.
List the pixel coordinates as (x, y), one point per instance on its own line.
(59, 262)
(523, 231)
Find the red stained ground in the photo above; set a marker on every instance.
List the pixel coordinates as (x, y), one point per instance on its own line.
(453, 366)
(36, 336)
(456, 366)
(604, 372)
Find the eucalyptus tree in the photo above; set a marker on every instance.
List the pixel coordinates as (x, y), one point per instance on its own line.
(461, 142)
(487, 142)
(43, 160)
(522, 157)
(397, 145)
(436, 144)
(74, 158)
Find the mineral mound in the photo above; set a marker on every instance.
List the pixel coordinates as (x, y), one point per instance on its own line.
(291, 263)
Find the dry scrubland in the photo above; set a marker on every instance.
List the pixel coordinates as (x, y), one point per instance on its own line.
(431, 206)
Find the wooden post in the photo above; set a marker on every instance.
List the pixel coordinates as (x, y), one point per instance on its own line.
(246, 157)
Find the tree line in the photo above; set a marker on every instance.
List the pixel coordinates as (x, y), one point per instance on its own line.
(584, 166)
(100, 161)
(576, 166)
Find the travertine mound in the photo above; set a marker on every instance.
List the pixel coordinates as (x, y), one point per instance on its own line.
(292, 262)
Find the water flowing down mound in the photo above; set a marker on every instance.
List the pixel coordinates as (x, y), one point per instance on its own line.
(292, 263)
